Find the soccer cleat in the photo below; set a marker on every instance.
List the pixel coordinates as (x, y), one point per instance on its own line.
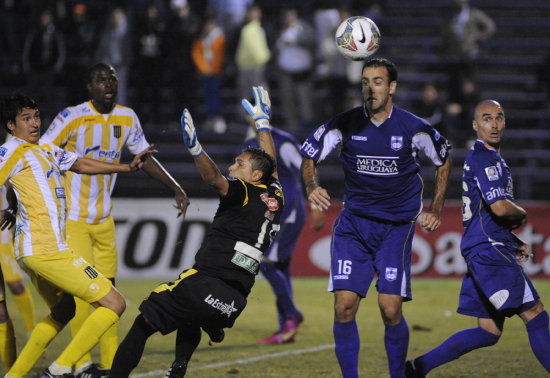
(48, 374)
(92, 371)
(177, 370)
(411, 370)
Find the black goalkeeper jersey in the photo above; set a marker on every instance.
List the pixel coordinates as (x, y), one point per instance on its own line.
(245, 223)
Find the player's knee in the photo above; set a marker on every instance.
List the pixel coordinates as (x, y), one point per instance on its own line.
(344, 312)
(64, 310)
(391, 315)
(118, 304)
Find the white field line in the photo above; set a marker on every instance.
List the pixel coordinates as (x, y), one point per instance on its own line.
(241, 361)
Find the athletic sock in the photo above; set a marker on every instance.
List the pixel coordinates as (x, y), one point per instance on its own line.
(95, 325)
(455, 346)
(346, 339)
(131, 348)
(8, 350)
(81, 313)
(281, 288)
(187, 340)
(108, 344)
(396, 340)
(25, 305)
(41, 336)
(539, 338)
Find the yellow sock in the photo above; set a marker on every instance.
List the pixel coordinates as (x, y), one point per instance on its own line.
(7, 344)
(108, 344)
(41, 336)
(93, 328)
(26, 308)
(81, 314)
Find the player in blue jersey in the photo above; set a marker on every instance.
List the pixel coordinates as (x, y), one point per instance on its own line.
(495, 286)
(275, 265)
(373, 234)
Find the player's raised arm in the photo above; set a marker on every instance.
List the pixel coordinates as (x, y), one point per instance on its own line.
(88, 166)
(210, 173)
(261, 112)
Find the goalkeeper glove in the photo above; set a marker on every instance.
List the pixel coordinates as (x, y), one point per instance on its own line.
(261, 112)
(189, 134)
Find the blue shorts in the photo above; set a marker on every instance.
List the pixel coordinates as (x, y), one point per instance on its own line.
(495, 285)
(284, 242)
(362, 247)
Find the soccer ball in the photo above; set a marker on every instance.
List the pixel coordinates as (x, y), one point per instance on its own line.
(357, 38)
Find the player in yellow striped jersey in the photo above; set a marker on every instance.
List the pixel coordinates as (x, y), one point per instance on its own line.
(13, 277)
(34, 173)
(99, 129)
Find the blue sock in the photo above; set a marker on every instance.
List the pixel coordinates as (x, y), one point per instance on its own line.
(539, 337)
(346, 339)
(281, 287)
(455, 346)
(396, 339)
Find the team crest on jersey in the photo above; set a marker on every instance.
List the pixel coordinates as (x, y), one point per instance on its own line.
(3, 151)
(391, 274)
(492, 173)
(117, 131)
(396, 142)
(65, 113)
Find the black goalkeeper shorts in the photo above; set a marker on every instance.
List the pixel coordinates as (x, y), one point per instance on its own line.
(194, 298)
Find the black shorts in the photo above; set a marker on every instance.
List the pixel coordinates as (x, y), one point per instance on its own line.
(194, 298)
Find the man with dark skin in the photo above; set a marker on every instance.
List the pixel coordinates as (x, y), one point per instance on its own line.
(99, 129)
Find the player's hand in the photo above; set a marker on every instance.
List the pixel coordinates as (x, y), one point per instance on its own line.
(317, 218)
(139, 159)
(430, 221)
(261, 111)
(523, 252)
(181, 202)
(189, 134)
(320, 198)
(7, 219)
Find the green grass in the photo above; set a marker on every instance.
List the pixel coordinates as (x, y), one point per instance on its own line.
(431, 317)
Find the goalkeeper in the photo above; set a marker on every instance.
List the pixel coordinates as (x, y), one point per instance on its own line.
(213, 293)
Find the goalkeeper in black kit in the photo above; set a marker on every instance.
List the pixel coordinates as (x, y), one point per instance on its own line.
(212, 294)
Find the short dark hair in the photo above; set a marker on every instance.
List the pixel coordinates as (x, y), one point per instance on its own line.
(383, 62)
(93, 70)
(12, 105)
(262, 161)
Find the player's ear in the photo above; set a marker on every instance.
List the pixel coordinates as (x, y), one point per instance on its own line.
(257, 175)
(474, 125)
(393, 87)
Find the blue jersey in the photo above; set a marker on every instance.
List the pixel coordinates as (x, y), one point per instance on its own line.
(382, 174)
(289, 161)
(486, 179)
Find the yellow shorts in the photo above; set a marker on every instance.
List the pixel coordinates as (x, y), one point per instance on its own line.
(53, 273)
(10, 267)
(96, 243)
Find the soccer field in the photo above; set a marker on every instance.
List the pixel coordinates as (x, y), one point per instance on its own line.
(431, 317)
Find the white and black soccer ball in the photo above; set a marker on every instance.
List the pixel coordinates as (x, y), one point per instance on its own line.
(357, 38)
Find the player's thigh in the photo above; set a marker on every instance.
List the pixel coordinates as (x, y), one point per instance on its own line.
(351, 264)
(67, 272)
(10, 267)
(79, 239)
(393, 260)
(195, 298)
(104, 247)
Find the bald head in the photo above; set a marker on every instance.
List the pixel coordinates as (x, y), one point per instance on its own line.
(484, 105)
(489, 123)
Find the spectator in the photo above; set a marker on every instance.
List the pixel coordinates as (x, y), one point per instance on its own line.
(9, 62)
(80, 35)
(459, 111)
(462, 32)
(183, 28)
(208, 55)
(229, 13)
(252, 53)
(115, 49)
(43, 58)
(295, 63)
(430, 106)
(149, 52)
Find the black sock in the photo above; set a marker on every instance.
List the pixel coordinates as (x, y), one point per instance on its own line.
(187, 340)
(130, 350)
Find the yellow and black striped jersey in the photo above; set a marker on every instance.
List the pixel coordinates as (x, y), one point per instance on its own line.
(83, 130)
(35, 173)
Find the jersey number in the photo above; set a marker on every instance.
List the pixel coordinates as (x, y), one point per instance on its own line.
(466, 210)
(268, 230)
(344, 267)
